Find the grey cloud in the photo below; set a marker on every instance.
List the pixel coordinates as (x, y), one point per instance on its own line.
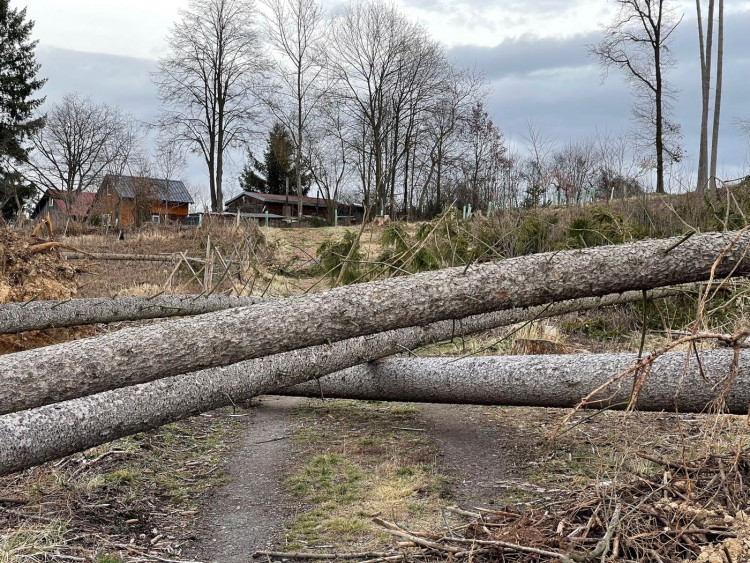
(539, 7)
(120, 81)
(557, 83)
(526, 55)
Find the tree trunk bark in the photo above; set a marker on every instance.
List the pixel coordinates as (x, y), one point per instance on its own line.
(137, 355)
(717, 94)
(705, 63)
(539, 381)
(659, 103)
(41, 315)
(129, 257)
(35, 436)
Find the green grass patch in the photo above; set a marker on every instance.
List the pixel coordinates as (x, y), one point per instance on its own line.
(352, 464)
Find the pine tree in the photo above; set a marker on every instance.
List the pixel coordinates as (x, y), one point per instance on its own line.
(253, 178)
(270, 175)
(18, 84)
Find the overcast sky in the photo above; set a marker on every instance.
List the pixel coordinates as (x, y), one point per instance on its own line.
(533, 53)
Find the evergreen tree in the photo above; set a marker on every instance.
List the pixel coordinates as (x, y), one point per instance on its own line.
(15, 190)
(18, 84)
(253, 178)
(270, 175)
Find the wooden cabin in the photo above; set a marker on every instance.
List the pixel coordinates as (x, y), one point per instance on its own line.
(276, 204)
(128, 200)
(279, 207)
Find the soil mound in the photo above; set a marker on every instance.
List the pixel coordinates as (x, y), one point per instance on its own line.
(29, 270)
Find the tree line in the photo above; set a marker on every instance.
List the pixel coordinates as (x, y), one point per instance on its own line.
(364, 105)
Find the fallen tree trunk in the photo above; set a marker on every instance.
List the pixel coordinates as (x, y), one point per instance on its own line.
(35, 436)
(131, 257)
(40, 315)
(142, 354)
(538, 381)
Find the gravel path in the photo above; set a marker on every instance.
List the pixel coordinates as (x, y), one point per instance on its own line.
(247, 514)
(484, 455)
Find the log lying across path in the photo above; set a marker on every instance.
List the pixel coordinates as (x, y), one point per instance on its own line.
(136, 355)
(35, 436)
(537, 381)
(128, 257)
(40, 315)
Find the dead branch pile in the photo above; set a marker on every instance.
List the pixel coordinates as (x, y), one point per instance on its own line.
(692, 510)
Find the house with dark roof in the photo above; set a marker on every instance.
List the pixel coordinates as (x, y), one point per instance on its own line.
(127, 200)
(63, 206)
(276, 204)
(280, 205)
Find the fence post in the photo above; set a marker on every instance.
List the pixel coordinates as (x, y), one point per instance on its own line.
(335, 217)
(266, 217)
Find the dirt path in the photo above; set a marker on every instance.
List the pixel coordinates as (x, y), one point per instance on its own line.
(484, 455)
(247, 514)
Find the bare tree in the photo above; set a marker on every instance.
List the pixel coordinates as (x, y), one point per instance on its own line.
(618, 170)
(206, 83)
(717, 93)
(297, 30)
(537, 166)
(638, 43)
(370, 41)
(423, 71)
(485, 152)
(511, 175)
(169, 159)
(574, 170)
(706, 53)
(80, 142)
(169, 164)
(444, 122)
(329, 154)
(706, 175)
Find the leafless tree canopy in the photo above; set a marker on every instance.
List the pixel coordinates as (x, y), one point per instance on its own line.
(80, 143)
(297, 31)
(206, 82)
(374, 110)
(637, 42)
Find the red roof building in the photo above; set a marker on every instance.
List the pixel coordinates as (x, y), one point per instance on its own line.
(62, 206)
